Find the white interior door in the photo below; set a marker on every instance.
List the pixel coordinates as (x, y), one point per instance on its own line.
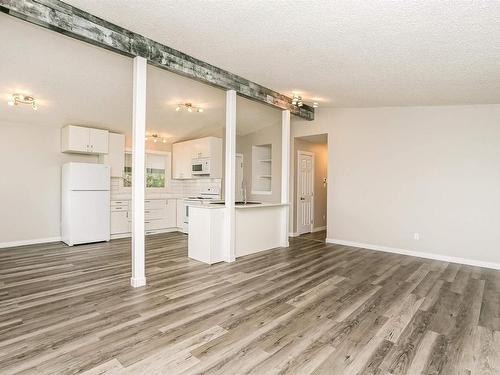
(305, 189)
(238, 197)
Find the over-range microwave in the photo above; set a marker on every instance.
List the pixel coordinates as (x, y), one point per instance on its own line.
(200, 167)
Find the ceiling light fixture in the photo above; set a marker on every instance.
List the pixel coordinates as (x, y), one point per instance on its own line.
(23, 99)
(188, 107)
(315, 105)
(156, 138)
(297, 100)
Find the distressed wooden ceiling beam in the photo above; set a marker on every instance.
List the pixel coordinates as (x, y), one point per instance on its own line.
(65, 19)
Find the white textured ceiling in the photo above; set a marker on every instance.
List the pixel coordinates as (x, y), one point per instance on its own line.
(344, 53)
(77, 83)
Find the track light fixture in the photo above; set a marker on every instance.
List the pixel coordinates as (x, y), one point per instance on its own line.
(155, 138)
(188, 107)
(23, 99)
(297, 100)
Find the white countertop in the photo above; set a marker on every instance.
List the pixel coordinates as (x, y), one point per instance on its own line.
(261, 205)
(124, 196)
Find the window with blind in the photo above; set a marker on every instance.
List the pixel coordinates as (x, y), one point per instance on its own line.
(156, 170)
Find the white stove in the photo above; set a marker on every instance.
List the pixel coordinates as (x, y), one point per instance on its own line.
(210, 195)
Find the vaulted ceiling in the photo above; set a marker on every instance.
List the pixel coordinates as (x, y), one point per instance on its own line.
(77, 83)
(341, 53)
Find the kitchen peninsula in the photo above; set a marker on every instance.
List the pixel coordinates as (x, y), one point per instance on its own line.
(258, 227)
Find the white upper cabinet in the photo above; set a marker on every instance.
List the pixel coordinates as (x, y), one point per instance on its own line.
(75, 139)
(99, 141)
(183, 154)
(84, 140)
(206, 147)
(115, 157)
(181, 160)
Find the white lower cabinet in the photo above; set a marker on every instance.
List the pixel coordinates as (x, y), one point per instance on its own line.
(160, 215)
(171, 211)
(119, 222)
(181, 205)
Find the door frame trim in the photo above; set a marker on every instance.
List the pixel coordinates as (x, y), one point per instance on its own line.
(236, 155)
(297, 198)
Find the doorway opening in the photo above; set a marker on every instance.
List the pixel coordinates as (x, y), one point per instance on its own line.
(310, 198)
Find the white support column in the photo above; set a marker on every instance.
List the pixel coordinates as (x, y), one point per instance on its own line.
(229, 187)
(285, 175)
(138, 186)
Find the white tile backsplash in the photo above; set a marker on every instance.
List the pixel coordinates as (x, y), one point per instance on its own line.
(194, 187)
(186, 188)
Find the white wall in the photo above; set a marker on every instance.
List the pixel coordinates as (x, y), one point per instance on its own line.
(30, 183)
(395, 171)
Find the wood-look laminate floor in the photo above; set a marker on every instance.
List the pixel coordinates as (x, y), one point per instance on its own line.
(317, 236)
(313, 308)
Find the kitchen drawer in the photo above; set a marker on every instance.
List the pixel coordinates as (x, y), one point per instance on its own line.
(119, 202)
(119, 208)
(155, 204)
(155, 224)
(155, 214)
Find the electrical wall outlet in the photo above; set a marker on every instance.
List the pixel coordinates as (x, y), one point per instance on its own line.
(416, 236)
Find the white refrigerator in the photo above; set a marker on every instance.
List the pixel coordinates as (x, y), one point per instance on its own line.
(85, 203)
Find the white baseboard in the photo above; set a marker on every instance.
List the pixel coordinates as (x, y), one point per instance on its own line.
(419, 254)
(157, 231)
(29, 242)
(36, 241)
(120, 235)
(318, 229)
